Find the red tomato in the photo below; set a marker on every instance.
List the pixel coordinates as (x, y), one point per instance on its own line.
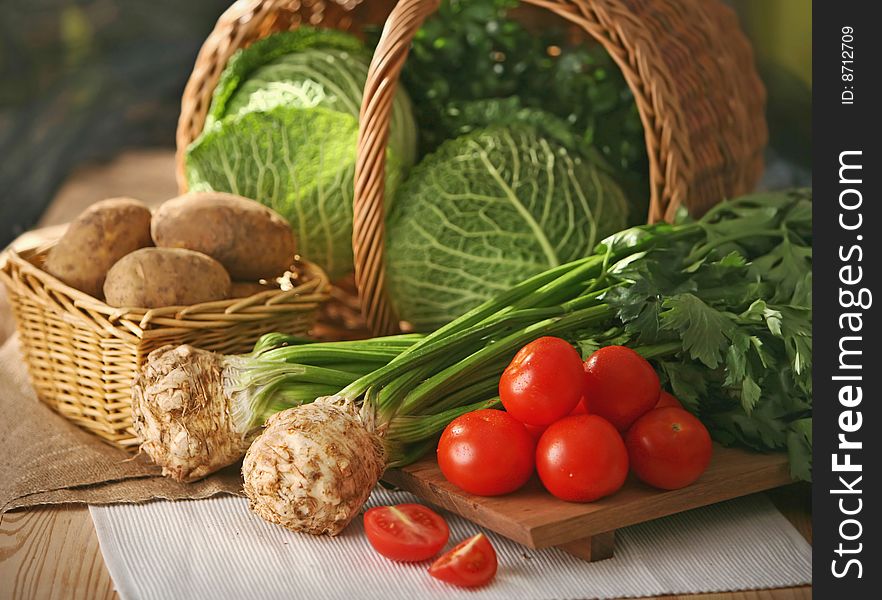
(666, 399)
(470, 563)
(406, 532)
(486, 452)
(669, 448)
(620, 385)
(543, 383)
(582, 458)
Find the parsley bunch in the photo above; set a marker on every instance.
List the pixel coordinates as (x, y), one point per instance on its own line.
(726, 316)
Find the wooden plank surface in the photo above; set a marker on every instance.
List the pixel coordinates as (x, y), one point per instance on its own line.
(53, 553)
(535, 518)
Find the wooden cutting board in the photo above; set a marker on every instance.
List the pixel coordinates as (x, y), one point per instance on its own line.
(533, 517)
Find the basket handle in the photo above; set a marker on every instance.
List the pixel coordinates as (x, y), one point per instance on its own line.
(368, 223)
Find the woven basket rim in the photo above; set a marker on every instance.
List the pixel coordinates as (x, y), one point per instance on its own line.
(314, 289)
(81, 358)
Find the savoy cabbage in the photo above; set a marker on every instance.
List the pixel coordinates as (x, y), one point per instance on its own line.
(282, 129)
(487, 210)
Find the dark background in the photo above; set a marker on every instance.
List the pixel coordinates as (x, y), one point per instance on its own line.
(82, 79)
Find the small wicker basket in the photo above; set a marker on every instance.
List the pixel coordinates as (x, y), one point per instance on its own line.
(82, 354)
(687, 62)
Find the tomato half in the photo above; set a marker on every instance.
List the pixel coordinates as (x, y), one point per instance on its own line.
(470, 563)
(667, 399)
(669, 448)
(620, 385)
(543, 382)
(582, 458)
(486, 452)
(406, 532)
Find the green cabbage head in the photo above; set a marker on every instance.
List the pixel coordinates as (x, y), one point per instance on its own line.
(282, 129)
(487, 210)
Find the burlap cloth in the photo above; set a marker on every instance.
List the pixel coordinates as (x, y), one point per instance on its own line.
(44, 459)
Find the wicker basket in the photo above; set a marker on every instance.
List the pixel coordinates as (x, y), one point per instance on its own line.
(687, 62)
(83, 354)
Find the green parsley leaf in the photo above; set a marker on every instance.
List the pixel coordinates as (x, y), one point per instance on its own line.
(799, 449)
(705, 331)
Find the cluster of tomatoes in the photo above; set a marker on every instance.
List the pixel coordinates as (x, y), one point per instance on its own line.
(580, 426)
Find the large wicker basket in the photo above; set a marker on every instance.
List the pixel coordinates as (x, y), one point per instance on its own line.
(687, 62)
(82, 354)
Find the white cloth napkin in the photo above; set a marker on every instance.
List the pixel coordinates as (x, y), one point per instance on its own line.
(217, 549)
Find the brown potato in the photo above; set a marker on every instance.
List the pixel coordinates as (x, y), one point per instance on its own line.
(250, 240)
(94, 241)
(155, 277)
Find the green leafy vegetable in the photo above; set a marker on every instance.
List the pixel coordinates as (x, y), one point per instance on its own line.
(282, 129)
(243, 64)
(325, 77)
(744, 328)
(465, 117)
(704, 331)
(475, 50)
(487, 210)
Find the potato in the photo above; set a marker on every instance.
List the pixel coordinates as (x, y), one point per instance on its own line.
(94, 241)
(155, 277)
(250, 240)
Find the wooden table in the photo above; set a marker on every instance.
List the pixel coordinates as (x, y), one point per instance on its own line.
(53, 553)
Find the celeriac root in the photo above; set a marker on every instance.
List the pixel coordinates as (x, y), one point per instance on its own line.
(313, 467)
(182, 414)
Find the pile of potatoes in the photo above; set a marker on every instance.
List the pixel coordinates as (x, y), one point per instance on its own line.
(198, 247)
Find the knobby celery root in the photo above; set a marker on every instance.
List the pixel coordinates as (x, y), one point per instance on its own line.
(183, 414)
(196, 412)
(313, 467)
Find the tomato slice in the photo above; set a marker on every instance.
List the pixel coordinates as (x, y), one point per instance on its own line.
(471, 563)
(406, 532)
